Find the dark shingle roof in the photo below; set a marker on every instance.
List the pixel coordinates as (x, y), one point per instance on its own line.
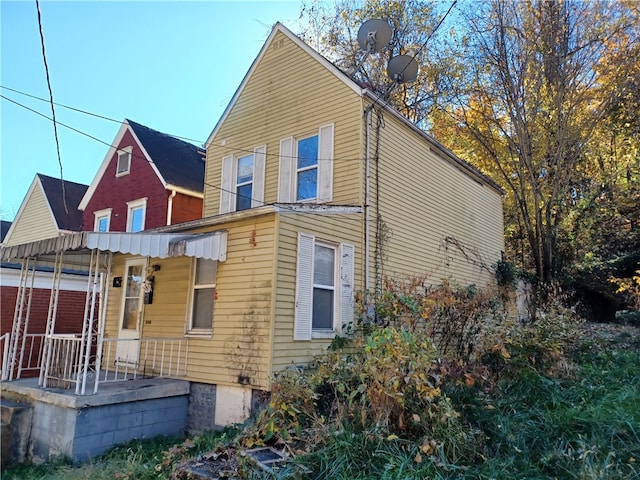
(4, 228)
(180, 163)
(73, 194)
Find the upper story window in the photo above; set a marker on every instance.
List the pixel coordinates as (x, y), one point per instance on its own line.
(102, 220)
(242, 184)
(306, 167)
(124, 161)
(202, 296)
(136, 214)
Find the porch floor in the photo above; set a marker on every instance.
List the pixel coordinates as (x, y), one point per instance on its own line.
(27, 390)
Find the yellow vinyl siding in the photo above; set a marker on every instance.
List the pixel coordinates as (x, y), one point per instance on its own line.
(276, 104)
(440, 222)
(35, 221)
(242, 312)
(329, 228)
(239, 345)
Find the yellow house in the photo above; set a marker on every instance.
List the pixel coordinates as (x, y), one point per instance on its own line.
(315, 188)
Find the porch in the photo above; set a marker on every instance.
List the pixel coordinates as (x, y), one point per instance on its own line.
(85, 360)
(62, 423)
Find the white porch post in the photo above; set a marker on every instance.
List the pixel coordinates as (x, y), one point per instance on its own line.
(17, 341)
(102, 315)
(51, 321)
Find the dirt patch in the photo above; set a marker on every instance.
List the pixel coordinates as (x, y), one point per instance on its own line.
(216, 465)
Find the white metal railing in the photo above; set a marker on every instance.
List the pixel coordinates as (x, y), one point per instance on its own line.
(28, 360)
(63, 360)
(122, 359)
(126, 359)
(32, 359)
(4, 349)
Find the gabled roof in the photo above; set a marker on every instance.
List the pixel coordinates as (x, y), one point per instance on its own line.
(69, 218)
(363, 92)
(177, 164)
(278, 27)
(180, 163)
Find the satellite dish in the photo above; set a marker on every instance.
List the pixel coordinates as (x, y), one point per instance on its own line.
(374, 35)
(403, 69)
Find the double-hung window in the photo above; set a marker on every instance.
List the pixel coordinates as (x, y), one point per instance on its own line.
(124, 161)
(202, 296)
(136, 213)
(306, 167)
(102, 220)
(242, 184)
(324, 288)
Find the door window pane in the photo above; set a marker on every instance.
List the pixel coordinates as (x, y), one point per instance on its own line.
(132, 298)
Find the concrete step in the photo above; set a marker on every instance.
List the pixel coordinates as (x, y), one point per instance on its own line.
(15, 426)
(9, 407)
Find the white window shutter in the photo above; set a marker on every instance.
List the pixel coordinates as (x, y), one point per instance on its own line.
(227, 187)
(325, 164)
(346, 284)
(259, 160)
(286, 176)
(304, 288)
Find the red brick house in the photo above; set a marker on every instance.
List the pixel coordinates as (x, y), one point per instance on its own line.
(147, 180)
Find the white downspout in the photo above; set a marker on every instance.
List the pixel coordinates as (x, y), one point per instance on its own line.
(170, 206)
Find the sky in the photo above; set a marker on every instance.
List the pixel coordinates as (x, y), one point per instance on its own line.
(171, 65)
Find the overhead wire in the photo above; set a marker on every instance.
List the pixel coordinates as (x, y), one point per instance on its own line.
(53, 110)
(150, 161)
(191, 140)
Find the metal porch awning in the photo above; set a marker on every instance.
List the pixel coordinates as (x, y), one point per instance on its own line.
(211, 245)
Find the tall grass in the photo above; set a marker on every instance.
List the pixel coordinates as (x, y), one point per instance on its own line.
(584, 427)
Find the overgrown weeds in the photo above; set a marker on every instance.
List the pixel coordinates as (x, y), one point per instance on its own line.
(512, 398)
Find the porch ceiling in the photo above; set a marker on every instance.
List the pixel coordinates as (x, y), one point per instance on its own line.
(212, 245)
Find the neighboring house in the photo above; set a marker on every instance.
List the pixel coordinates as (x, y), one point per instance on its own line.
(309, 197)
(49, 209)
(4, 228)
(147, 180)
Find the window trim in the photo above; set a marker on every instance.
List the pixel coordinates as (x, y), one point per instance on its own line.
(121, 152)
(344, 278)
(288, 167)
(297, 171)
(131, 207)
(190, 329)
(237, 184)
(229, 184)
(100, 214)
(335, 328)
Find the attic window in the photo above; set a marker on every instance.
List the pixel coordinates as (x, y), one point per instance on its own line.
(124, 161)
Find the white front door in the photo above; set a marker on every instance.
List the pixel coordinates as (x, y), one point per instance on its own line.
(128, 350)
